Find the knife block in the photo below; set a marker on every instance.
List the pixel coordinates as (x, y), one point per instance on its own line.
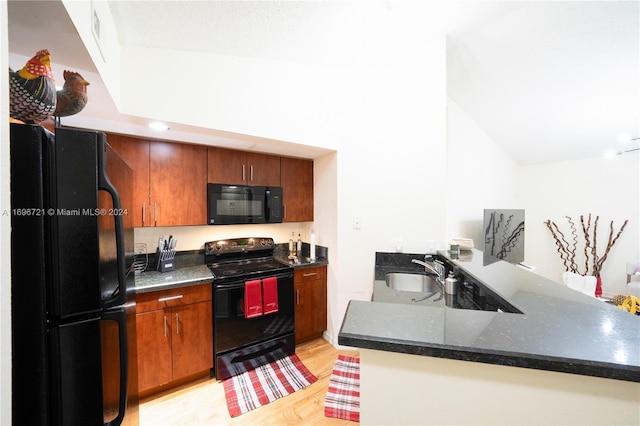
(166, 260)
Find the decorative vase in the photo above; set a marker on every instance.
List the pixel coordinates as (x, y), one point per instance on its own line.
(598, 287)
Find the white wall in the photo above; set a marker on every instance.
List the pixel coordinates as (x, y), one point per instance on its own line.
(605, 187)
(480, 175)
(5, 229)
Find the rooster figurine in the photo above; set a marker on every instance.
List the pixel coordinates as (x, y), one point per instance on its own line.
(73, 96)
(32, 91)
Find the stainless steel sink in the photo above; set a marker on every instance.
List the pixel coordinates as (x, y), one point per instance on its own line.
(417, 283)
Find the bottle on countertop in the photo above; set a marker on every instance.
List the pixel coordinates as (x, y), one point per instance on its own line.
(312, 246)
(292, 245)
(299, 246)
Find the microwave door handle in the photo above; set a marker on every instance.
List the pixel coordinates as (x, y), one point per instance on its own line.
(119, 296)
(267, 209)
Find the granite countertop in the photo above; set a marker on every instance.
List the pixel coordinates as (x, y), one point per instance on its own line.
(180, 277)
(559, 329)
(303, 262)
(191, 270)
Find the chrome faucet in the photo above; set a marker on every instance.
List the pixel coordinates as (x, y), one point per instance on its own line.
(438, 269)
(439, 272)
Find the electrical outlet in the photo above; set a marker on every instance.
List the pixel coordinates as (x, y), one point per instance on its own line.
(356, 222)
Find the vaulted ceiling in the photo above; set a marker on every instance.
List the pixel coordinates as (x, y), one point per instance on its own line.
(548, 81)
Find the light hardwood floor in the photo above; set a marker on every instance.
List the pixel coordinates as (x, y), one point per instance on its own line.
(203, 403)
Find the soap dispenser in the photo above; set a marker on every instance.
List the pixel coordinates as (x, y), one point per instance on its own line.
(451, 284)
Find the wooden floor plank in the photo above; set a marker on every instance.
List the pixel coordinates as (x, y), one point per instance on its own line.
(203, 402)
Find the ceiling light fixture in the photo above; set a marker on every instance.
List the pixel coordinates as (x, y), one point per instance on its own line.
(625, 137)
(157, 125)
(628, 150)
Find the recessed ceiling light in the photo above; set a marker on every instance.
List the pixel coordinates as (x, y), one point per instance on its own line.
(157, 125)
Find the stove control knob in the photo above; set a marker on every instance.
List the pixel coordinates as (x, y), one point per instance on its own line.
(265, 243)
(210, 247)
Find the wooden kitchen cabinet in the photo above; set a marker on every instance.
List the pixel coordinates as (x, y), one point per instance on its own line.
(310, 292)
(228, 166)
(169, 180)
(296, 177)
(177, 184)
(135, 152)
(175, 336)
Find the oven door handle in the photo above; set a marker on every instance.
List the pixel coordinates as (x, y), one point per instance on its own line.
(232, 286)
(240, 284)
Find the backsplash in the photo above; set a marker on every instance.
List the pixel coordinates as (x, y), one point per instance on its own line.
(282, 250)
(188, 258)
(194, 237)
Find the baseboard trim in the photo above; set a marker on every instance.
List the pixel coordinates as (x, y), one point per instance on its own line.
(334, 342)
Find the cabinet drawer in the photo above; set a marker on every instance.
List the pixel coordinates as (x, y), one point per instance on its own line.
(155, 300)
(309, 273)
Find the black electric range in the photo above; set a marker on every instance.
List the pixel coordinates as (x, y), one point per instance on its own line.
(242, 341)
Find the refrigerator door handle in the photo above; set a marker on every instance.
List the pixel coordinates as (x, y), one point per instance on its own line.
(119, 296)
(119, 316)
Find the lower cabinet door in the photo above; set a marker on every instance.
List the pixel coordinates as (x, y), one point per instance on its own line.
(154, 349)
(302, 308)
(318, 315)
(192, 339)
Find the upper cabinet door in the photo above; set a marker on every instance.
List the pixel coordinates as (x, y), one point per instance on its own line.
(263, 169)
(177, 180)
(228, 166)
(296, 177)
(135, 152)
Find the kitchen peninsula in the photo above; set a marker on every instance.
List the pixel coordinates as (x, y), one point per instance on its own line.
(566, 359)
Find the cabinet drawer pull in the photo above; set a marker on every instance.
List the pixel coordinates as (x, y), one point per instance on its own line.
(144, 212)
(177, 325)
(243, 174)
(297, 297)
(165, 326)
(155, 212)
(251, 172)
(310, 274)
(166, 299)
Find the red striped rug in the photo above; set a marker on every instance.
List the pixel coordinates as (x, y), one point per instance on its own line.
(265, 384)
(343, 396)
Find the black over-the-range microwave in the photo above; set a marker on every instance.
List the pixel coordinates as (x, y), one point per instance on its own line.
(238, 204)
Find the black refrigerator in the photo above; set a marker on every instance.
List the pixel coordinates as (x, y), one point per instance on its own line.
(72, 297)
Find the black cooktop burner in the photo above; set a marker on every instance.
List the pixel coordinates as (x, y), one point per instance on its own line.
(242, 268)
(242, 258)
